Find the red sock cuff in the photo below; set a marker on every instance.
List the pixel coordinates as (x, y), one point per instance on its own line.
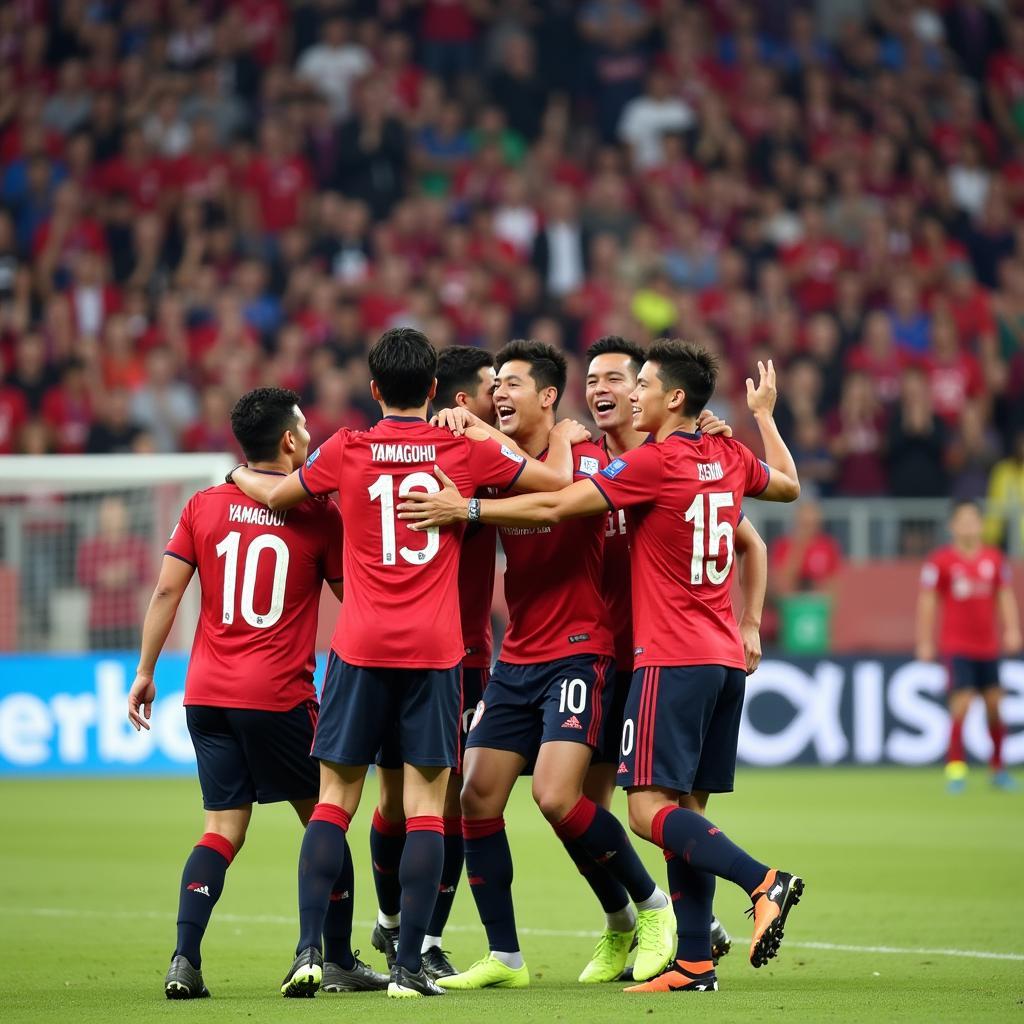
(217, 843)
(425, 823)
(658, 826)
(453, 826)
(481, 828)
(385, 827)
(333, 813)
(669, 855)
(578, 820)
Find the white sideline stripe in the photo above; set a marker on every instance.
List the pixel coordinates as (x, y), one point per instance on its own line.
(832, 947)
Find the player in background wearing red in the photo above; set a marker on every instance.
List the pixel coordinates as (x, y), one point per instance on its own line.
(548, 695)
(250, 704)
(397, 647)
(972, 585)
(465, 380)
(682, 492)
(613, 365)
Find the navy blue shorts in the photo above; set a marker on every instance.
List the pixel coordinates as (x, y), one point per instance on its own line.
(972, 673)
(246, 756)
(474, 681)
(362, 707)
(527, 705)
(608, 752)
(681, 728)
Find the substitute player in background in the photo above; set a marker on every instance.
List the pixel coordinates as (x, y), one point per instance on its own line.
(613, 363)
(250, 704)
(396, 652)
(682, 494)
(972, 584)
(465, 380)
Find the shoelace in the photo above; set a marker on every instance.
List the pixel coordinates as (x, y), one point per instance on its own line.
(647, 928)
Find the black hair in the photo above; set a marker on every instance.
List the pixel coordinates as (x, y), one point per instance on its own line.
(613, 343)
(959, 503)
(260, 417)
(681, 364)
(458, 369)
(403, 365)
(547, 365)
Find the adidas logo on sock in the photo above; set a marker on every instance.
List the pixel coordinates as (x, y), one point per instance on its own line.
(199, 887)
(572, 723)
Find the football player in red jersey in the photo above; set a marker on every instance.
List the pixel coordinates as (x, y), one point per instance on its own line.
(972, 584)
(249, 698)
(465, 380)
(397, 648)
(613, 365)
(682, 493)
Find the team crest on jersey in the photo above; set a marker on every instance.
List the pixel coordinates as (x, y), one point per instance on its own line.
(312, 458)
(509, 454)
(589, 465)
(986, 570)
(614, 468)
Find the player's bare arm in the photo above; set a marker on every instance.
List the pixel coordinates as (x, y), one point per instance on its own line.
(1009, 615)
(163, 606)
(448, 506)
(784, 484)
(275, 492)
(753, 556)
(927, 603)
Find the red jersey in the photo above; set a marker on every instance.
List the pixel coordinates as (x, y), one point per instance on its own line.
(476, 593)
(615, 581)
(113, 571)
(13, 416)
(401, 607)
(261, 574)
(967, 586)
(682, 500)
(553, 583)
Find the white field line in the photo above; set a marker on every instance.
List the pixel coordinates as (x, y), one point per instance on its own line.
(160, 915)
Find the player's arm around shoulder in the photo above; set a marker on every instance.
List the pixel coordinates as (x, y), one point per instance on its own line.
(783, 482)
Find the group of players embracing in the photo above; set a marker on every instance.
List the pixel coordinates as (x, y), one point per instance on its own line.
(622, 664)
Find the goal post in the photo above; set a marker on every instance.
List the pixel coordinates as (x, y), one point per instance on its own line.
(81, 538)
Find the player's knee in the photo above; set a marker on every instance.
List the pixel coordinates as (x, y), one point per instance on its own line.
(554, 799)
(639, 823)
(474, 800)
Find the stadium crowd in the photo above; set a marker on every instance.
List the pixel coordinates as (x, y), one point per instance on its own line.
(199, 197)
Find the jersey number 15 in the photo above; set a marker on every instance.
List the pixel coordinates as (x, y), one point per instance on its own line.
(708, 537)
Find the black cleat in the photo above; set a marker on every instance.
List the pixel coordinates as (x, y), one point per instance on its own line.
(184, 981)
(358, 978)
(436, 963)
(721, 942)
(385, 940)
(773, 899)
(304, 978)
(404, 985)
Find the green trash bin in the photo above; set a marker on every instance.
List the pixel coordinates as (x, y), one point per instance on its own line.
(806, 623)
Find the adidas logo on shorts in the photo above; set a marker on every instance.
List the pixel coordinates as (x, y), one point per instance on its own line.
(623, 770)
(572, 723)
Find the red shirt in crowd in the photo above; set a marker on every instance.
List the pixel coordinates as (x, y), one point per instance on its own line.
(13, 416)
(819, 562)
(280, 188)
(113, 570)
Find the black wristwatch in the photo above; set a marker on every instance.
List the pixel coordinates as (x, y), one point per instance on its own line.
(473, 511)
(230, 478)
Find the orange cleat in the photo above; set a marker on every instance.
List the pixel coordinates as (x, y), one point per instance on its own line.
(773, 900)
(681, 976)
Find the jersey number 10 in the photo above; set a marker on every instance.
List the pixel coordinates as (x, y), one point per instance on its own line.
(706, 553)
(228, 550)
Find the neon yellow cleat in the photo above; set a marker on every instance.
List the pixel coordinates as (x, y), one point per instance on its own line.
(487, 973)
(956, 770)
(609, 958)
(655, 942)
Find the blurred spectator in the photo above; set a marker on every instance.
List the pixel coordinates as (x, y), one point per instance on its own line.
(1006, 495)
(114, 432)
(646, 119)
(807, 558)
(162, 405)
(856, 438)
(333, 65)
(113, 565)
(916, 443)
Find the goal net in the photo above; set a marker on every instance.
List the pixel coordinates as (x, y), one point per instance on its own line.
(81, 537)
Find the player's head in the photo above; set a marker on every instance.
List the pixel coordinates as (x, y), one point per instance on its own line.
(612, 366)
(269, 426)
(677, 381)
(465, 376)
(965, 523)
(403, 368)
(529, 385)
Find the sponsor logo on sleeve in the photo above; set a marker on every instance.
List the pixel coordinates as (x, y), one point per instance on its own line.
(312, 458)
(509, 454)
(589, 465)
(614, 468)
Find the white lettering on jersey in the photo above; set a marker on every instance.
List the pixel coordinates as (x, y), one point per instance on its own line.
(409, 453)
(257, 515)
(709, 471)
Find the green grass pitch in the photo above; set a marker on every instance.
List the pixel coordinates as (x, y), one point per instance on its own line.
(89, 873)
